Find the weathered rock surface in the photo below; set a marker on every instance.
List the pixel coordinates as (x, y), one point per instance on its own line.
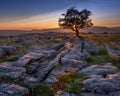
(42, 73)
(29, 81)
(60, 93)
(81, 49)
(27, 58)
(31, 68)
(5, 50)
(116, 93)
(73, 63)
(112, 51)
(45, 63)
(91, 47)
(70, 62)
(12, 90)
(102, 85)
(75, 52)
(102, 81)
(11, 71)
(28, 42)
(2, 52)
(99, 70)
(65, 66)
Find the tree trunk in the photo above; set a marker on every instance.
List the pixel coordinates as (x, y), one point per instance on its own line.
(77, 33)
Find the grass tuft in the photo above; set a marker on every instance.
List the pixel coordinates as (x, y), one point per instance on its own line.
(70, 83)
(42, 90)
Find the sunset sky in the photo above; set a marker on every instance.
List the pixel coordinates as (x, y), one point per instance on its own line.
(39, 14)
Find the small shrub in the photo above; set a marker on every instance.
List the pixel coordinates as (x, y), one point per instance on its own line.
(42, 90)
(100, 58)
(70, 83)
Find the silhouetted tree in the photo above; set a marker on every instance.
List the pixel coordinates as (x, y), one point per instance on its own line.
(75, 20)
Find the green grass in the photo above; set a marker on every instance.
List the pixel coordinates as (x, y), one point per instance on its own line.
(99, 58)
(42, 90)
(10, 56)
(70, 83)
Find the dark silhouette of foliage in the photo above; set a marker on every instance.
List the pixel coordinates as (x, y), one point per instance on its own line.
(76, 20)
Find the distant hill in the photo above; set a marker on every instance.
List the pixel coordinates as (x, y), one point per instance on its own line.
(95, 29)
(98, 29)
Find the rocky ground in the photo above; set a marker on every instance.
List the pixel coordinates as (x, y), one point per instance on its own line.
(61, 67)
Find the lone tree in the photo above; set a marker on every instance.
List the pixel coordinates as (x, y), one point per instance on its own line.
(76, 20)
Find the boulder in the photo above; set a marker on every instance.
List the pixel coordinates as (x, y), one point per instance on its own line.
(66, 66)
(73, 63)
(82, 49)
(28, 42)
(116, 93)
(47, 53)
(29, 82)
(32, 67)
(91, 47)
(60, 93)
(12, 90)
(10, 49)
(99, 70)
(112, 51)
(108, 85)
(75, 52)
(12, 72)
(2, 52)
(41, 74)
(53, 46)
(27, 58)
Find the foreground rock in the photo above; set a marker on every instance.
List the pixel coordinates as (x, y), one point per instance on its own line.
(70, 62)
(102, 85)
(99, 70)
(12, 90)
(65, 66)
(82, 49)
(2, 52)
(60, 93)
(28, 81)
(28, 58)
(112, 51)
(102, 81)
(38, 53)
(13, 72)
(41, 74)
(44, 64)
(5, 50)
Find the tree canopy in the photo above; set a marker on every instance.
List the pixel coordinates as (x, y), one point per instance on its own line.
(75, 20)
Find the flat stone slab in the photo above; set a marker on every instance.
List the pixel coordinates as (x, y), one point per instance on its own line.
(82, 49)
(112, 51)
(102, 85)
(13, 72)
(5, 50)
(66, 66)
(12, 90)
(27, 58)
(99, 70)
(60, 93)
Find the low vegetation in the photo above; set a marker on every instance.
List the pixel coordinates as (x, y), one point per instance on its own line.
(70, 83)
(42, 90)
(101, 58)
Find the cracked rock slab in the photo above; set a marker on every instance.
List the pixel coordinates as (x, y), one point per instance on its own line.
(99, 70)
(11, 71)
(102, 85)
(12, 90)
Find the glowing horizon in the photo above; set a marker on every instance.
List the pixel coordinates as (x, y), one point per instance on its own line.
(105, 13)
